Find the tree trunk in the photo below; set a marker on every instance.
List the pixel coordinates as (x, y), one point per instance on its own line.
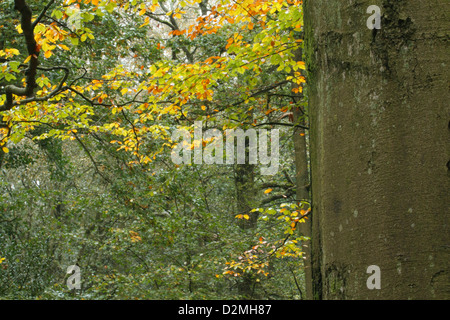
(380, 146)
(302, 193)
(302, 181)
(245, 194)
(244, 183)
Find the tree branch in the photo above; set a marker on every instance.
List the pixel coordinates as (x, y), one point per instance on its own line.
(279, 196)
(56, 91)
(42, 14)
(92, 159)
(28, 32)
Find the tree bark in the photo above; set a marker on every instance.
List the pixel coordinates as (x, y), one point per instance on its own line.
(245, 194)
(380, 147)
(302, 181)
(28, 32)
(245, 197)
(302, 193)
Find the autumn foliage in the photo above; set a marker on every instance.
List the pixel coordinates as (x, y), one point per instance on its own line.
(132, 71)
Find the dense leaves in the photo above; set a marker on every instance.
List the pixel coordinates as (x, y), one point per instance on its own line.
(87, 177)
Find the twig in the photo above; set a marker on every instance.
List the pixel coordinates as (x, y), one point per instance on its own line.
(42, 14)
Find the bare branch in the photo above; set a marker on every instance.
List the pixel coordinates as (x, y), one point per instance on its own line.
(42, 14)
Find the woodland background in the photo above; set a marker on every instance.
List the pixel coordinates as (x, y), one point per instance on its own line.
(91, 90)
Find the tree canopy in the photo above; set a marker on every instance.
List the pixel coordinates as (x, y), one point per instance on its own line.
(90, 93)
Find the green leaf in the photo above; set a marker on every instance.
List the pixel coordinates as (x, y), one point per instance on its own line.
(9, 77)
(57, 14)
(14, 66)
(110, 7)
(74, 41)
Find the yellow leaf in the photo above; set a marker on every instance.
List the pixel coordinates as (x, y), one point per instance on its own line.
(246, 216)
(203, 108)
(27, 59)
(301, 65)
(12, 51)
(5, 149)
(146, 22)
(268, 191)
(48, 54)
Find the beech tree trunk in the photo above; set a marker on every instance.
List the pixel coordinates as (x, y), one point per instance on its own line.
(379, 104)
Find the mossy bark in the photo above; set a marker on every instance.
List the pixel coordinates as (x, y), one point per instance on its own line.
(380, 147)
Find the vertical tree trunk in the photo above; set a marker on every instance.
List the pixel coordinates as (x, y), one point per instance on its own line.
(302, 182)
(302, 193)
(380, 146)
(2, 155)
(245, 196)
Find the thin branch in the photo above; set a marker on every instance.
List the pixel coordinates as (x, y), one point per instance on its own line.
(92, 102)
(134, 132)
(289, 235)
(277, 124)
(90, 157)
(55, 92)
(167, 23)
(296, 283)
(277, 185)
(42, 14)
(279, 196)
